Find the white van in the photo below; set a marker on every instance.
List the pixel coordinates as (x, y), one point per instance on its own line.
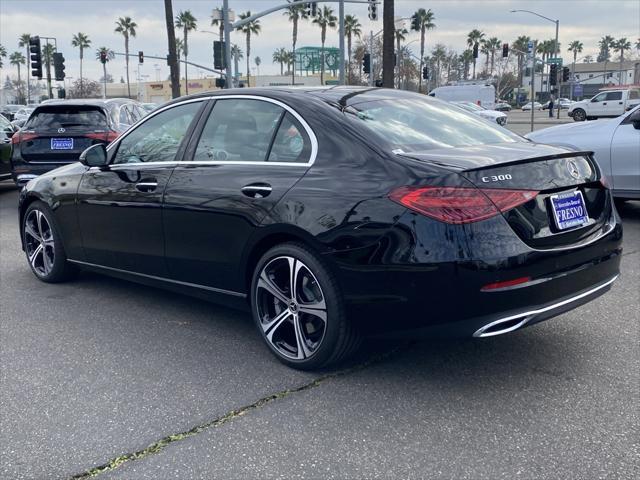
(483, 95)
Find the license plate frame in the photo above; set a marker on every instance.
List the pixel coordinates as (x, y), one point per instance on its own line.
(61, 143)
(569, 210)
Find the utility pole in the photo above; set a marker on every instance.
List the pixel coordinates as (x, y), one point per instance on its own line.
(533, 81)
(227, 44)
(341, 36)
(173, 58)
(388, 44)
(48, 60)
(371, 59)
(558, 56)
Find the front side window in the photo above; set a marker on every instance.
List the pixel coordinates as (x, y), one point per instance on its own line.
(600, 97)
(239, 130)
(614, 96)
(159, 138)
(416, 124)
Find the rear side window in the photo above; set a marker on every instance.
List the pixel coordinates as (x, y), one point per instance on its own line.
(634, 94)
(292, 143)
(239, 130)
(65, 116)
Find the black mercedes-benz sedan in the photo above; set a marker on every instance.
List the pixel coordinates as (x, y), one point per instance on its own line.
(333, 214)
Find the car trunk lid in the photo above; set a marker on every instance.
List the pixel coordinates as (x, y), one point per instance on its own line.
(562, 178)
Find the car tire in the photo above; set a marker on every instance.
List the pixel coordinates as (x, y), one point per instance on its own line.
(579, 115)
(43, 245)
(309, 329)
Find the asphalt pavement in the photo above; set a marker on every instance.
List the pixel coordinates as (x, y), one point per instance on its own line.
(104, 377)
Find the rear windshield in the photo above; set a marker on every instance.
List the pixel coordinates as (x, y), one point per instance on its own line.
(413, 125)
(59, 116)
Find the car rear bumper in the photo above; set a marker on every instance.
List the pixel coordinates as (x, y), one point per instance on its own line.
(398, 291)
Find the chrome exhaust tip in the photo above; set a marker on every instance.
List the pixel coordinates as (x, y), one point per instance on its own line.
(504, 325)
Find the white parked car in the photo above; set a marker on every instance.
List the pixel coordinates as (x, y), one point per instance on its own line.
(615, 144)
(609, 103)
(23, 114)
(492, 115)
(536, 105)
(484, 95)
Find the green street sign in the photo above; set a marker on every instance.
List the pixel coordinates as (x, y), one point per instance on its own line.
(557, 61)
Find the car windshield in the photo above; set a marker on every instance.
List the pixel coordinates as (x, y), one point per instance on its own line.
(67, 116)
(420, 124)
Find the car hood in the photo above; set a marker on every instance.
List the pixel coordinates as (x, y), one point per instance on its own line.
(483, 156)
(568, 130)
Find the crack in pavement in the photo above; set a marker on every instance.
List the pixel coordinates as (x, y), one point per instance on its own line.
(161, 444)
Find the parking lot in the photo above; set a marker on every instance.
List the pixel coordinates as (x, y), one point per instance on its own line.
(104, 373)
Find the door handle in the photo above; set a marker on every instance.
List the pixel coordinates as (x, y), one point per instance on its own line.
(147, 186)
(604, 103)
(257, 190)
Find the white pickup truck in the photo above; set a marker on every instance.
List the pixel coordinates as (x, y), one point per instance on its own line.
(607, 103)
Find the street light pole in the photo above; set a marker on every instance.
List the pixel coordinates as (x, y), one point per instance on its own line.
(227, 43)
(556, 46)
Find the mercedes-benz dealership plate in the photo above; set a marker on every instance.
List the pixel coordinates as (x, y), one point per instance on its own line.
(62, 144)
(569, 210)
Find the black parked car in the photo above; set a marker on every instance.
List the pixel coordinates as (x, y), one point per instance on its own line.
(333, 213)
(6, 132)
(57, 132)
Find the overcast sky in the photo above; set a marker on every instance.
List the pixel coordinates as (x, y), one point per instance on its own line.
(583, 20)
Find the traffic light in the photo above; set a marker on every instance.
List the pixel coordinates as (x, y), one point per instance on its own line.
(425, 73)
(36, 57)
(475, 50)
(565, 74)
(366, 63)
(218, 55)
(311, 9)
(62, 93)
(141, 57)
(103, 57)
(373, 10)
(220, 82)
(58, 66)
(553, 74)
(505, 50)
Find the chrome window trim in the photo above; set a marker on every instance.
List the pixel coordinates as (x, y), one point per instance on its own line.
(303, 122)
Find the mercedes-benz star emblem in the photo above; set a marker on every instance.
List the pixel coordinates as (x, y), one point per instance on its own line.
(61, 130)
(573, 169)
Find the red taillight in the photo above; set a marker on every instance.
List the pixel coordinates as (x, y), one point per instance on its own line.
(22, 137)
(460, 204)
(506, 284)
(604, 181)
(108, 137)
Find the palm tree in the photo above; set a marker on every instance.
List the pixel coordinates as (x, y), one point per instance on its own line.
(17, 59)
(23, 41)
(108, 56)
(127, 28)
(621, 45)
(493, 44)
(216, 22)
(401, 36)
(187, 22)
(3, 54)
(280, 56)
(352, 28)
(179, 47)
(295, 13)
(421, 21)
(638, 44)
(474, 36)
(257, 61)
(466, 58)
(438, 56)
(605, 44)
(47, 55)
(484, 49)
(81, 41)
(237, 55)
(520, 46)
(288, 59)
(575, 47)
(252, 27)
(325, 18)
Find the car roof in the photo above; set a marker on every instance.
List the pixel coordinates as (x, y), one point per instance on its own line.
(89, 101)
(341, 95)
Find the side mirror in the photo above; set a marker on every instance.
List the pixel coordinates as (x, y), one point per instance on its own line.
(634, 119)
(636, 123)
(94, 156)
